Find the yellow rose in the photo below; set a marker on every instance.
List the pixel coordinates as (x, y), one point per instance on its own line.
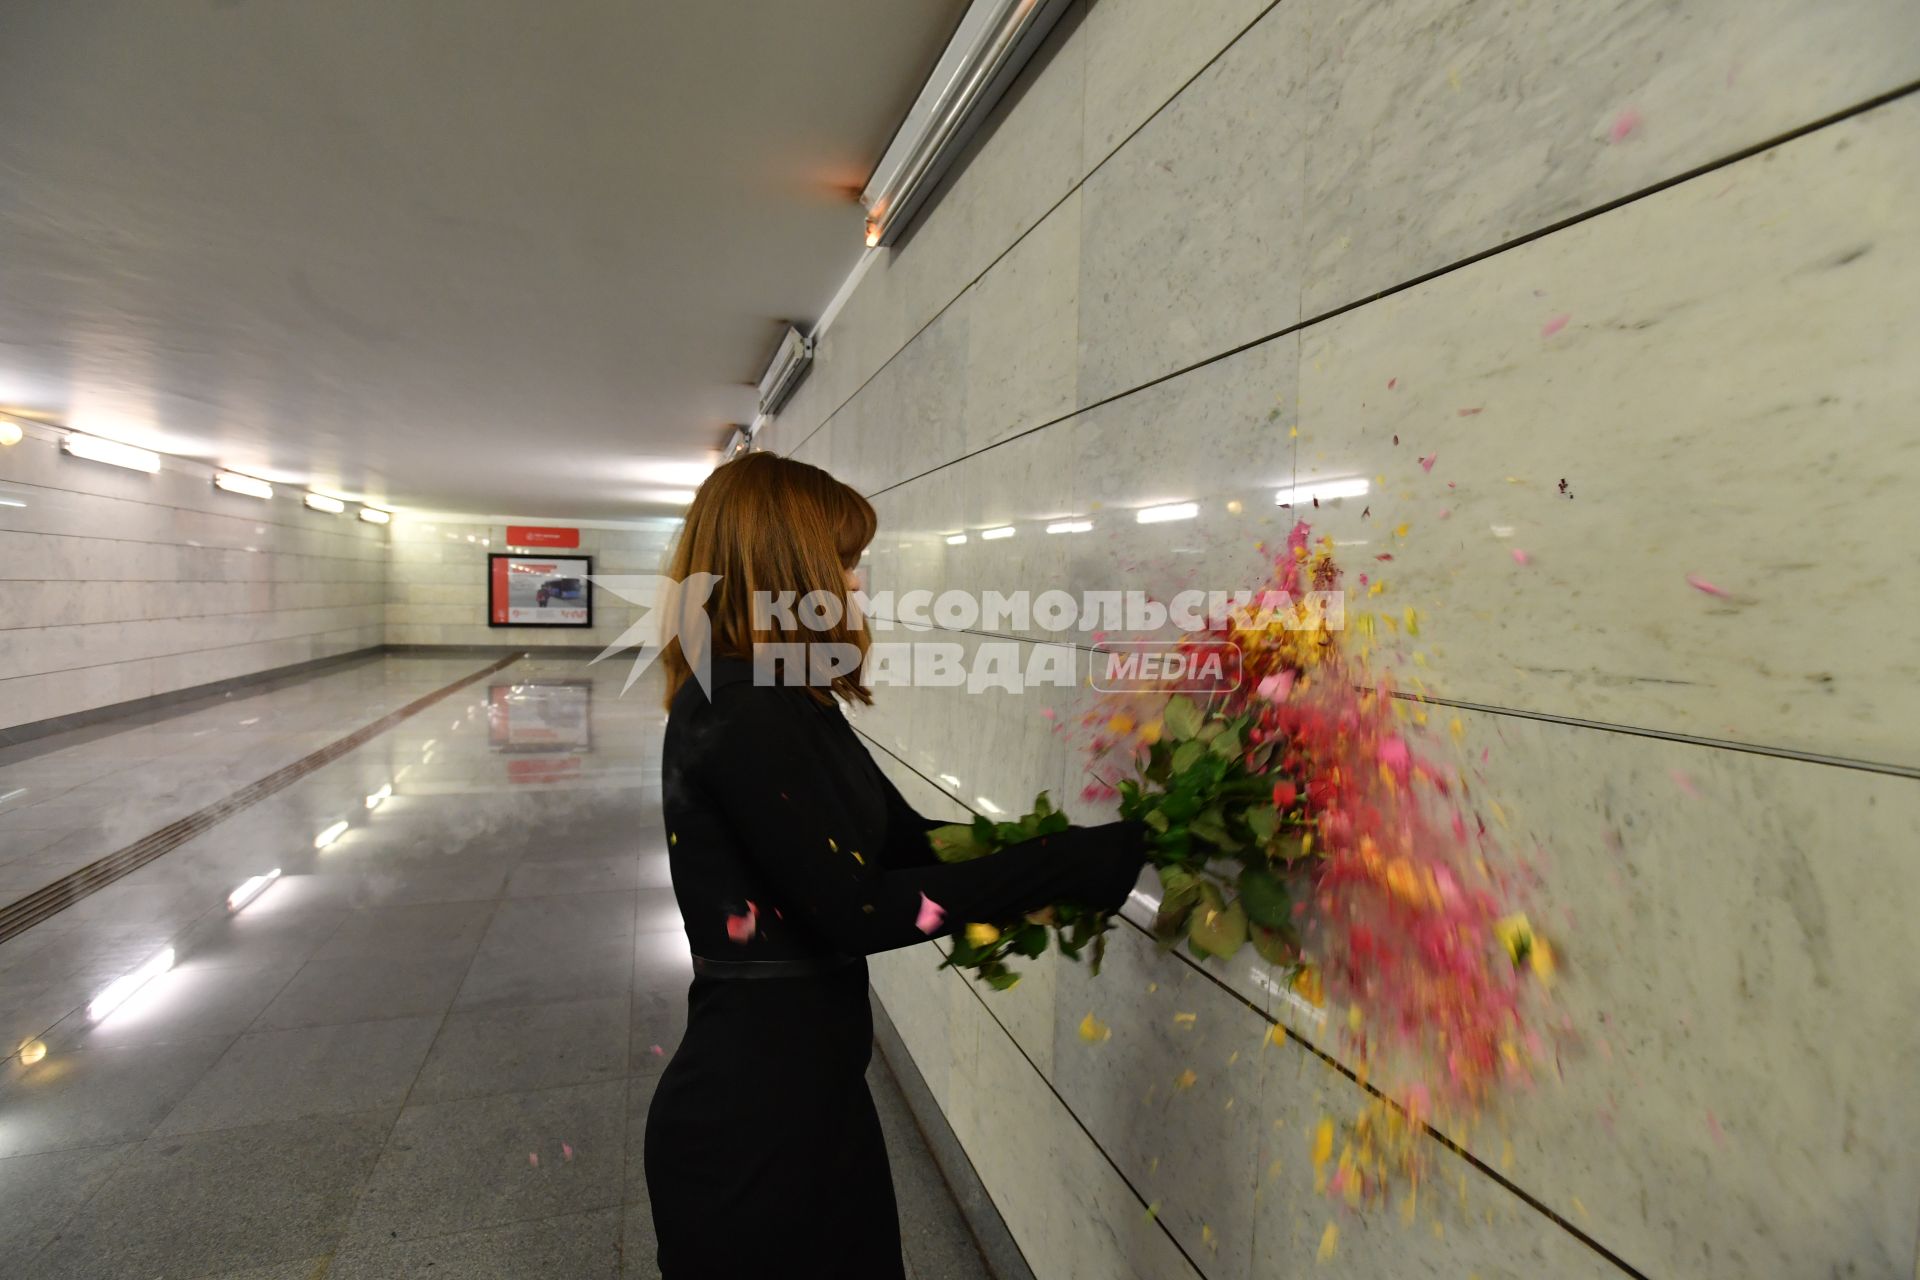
(982, 935)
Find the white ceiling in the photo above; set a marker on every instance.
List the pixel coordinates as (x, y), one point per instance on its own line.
(468, 255)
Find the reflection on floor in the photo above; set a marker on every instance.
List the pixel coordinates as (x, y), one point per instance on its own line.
(428, 1044)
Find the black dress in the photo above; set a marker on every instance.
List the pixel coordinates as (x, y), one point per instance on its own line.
(794, 857)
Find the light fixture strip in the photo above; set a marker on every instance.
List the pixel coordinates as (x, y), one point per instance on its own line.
(322, 502)
(374, 515)
(994, 40)
(245, 486)
(111, 452)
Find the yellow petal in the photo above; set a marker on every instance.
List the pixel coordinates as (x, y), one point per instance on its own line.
(1329, 1242)
(1186, 1079)
(1092, 1029)
(982, 935)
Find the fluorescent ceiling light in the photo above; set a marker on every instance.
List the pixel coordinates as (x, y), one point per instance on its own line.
(250, 889)
(380, 797)
(111, 452)
(994, 535)
(1070, 526)
(9, 502)
(1170, 511)
(678, 497)
(331, 834)
(374, 515)
(1304, 494)
(120, 989)
(10, 433)
(246, 486)
(321, 502)
(679, 474)
(956, 539)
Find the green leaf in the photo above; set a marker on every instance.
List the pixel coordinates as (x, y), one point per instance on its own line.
(1227, 745)
(1155, 818)
(1217, 930)
(1030, 940)
(1265, 899)
(956, 842)
(1188, 754)
(1262, 821)
(1274, 945)
(1182, 718)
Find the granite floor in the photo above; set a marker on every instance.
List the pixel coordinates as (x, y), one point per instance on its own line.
(426, 1048)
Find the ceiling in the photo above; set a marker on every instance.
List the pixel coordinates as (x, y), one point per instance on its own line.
(456, 255)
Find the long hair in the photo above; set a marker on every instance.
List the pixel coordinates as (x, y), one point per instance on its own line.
(767, 526)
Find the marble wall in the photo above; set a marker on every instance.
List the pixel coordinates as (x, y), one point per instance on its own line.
(437, 579)
(1661, 252)
(116, 585)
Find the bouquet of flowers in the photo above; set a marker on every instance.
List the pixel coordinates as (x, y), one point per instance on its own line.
(1298, 810)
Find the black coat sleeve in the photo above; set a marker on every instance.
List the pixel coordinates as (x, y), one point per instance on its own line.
(785, 788)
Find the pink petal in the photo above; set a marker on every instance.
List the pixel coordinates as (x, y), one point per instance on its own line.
(1445, 512)
(566, 1151)
(1521, 558)
(1555, 325)
(1623, 124)
(1683, 780)
(1713, 1128)
(1392, 383)
(741, 929)
(1699, 583)
(533, 1158)
(930, 917)
(1468, 413)
(658, 1052)
(1426, 463)
(1275, 688)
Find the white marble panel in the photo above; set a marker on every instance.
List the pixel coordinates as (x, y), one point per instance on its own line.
(1442, 128)
(1191, 232)
(1730, 924)
(1067, 1207)
(1023, 332)
(1140, 53)
(1718, 374)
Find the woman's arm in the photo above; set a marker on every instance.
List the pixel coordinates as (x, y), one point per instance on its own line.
(782, 785)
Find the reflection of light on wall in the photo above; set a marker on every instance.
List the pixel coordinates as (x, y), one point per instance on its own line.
(120, 989)
(988, 805)
(1168, 512)
(331, 834)
(1070, 526)
(250, 889)
(379, 797)
(1302, 494)
(1501, 530)
(994, 535)
(950, 780)
(956, 539)
(32, 1051)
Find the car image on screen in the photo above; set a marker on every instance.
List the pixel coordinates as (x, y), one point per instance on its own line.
(560, 589)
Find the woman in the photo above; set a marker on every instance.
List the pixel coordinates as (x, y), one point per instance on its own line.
(793, 858)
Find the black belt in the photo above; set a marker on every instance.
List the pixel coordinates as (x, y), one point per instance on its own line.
(803, 967)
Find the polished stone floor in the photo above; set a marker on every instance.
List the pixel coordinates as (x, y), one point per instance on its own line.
(426, 1048)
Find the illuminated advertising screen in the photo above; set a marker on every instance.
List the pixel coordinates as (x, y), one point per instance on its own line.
(539, 591)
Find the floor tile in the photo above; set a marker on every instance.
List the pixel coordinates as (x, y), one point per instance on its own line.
(190, 1002)
(273, 1076)
(418, 929)
(659, 1021)
(571, 922)
(586, 1246)
(360, 988)
(459, 1166)
(619, 874)
(504, 979)
(511, 1050)
(90, 1097)
(38, 1193)
(234, 1199)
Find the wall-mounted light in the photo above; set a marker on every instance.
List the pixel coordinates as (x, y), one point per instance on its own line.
(374, 515)
(380, 797)
(321, 502)
(1325, 490)
(251, 888)
(956, 539)
(10, 433)
(331, 834)
(1070, 526)
(120, 989)
(994, 535)
(1169, 511)
(246, 486)
(111, 452)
